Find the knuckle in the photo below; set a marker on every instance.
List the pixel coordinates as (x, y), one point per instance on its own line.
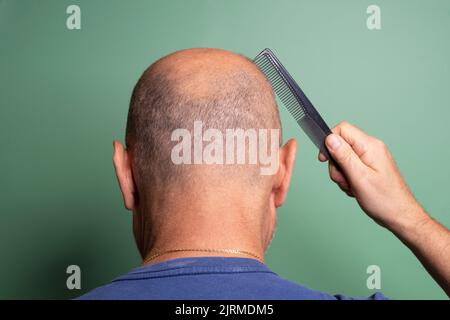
(334, 175)
(344, 124)
(381, 145)
(335, 178)
(346, 129)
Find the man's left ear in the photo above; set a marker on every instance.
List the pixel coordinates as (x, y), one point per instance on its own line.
(283, 176)
(122, 166)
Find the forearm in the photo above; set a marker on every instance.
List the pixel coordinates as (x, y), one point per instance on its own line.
(429, 241)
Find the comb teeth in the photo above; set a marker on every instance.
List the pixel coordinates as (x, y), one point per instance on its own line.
(280, 86)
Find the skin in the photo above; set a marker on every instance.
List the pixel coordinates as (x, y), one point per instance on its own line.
(369, 174)
(222, 215)
(213, 207)
(225, 215)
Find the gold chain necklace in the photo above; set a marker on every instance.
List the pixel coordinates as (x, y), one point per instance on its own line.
(232, 251)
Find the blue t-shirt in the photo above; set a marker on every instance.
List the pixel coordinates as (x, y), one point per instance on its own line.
(207, 278)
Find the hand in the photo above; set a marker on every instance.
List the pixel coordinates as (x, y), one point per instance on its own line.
(370, 174)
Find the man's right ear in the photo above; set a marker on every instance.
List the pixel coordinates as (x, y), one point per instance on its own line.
(284, 174)
(122, 166)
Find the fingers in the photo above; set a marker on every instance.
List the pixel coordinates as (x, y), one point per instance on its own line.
(343, 153)
(355, 137)
(337, 176)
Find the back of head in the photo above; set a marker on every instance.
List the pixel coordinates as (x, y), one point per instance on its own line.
(221, 89)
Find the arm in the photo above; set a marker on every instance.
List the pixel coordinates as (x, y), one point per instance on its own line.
(369, 174)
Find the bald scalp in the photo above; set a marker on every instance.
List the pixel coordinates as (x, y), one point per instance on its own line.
(222, 89)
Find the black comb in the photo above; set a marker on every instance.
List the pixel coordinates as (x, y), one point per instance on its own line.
(294, 99)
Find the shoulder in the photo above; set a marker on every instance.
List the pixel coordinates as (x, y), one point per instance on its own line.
(206, 282)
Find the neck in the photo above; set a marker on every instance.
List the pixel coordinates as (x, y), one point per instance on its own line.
(220, 228)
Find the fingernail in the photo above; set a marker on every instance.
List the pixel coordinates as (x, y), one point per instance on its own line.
(333, 142)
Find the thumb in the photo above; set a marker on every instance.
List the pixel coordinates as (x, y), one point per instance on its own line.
(345, 157)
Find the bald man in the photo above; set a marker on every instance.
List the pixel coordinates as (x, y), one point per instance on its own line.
(202, 227)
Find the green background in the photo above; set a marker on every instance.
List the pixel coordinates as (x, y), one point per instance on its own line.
(64, 97)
